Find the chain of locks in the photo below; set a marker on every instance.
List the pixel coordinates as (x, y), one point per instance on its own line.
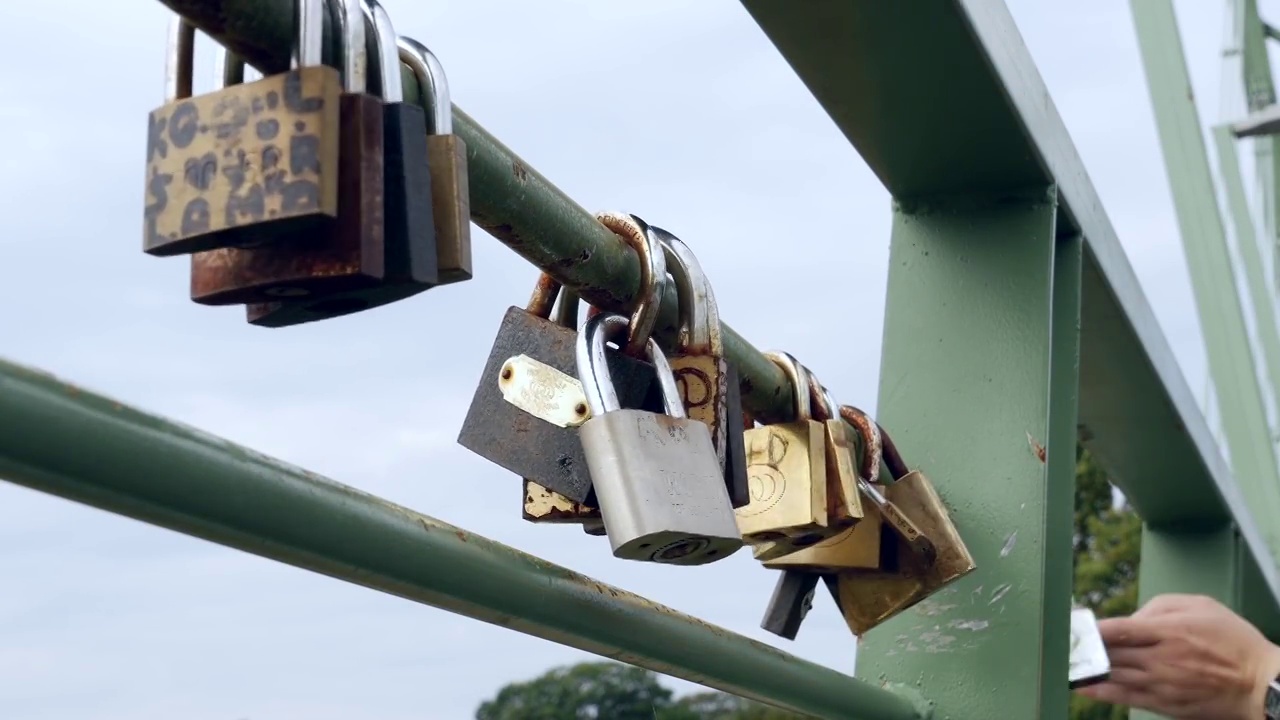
(298, 195)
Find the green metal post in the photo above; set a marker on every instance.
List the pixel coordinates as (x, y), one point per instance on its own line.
(1231, 363)
(978, 374)
(1202, 562)
(1260, 92)
(1260, 298)
(65, 441)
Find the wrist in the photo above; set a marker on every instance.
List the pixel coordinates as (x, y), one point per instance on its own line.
(1267, 669)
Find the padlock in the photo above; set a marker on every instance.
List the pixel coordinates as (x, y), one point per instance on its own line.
(658, 484)
(547, 392)
(868, 599)
(708, 386)
(786, 465)
(410, 254)
(858, 547)
(897, 521)
(447, 159)
(351, 253)
(512, 430)
(844, 503)
(791, 601)
(246, 164)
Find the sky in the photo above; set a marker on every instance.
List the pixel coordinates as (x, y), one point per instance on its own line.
(105, 618)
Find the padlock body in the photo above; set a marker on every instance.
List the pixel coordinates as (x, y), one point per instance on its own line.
(545, 506)
(854, 548)
(659, 488)
(409, 234)
(791, 601)
(252, 163)
(548, 454)
(786, 469)
(735, 457)
(844, 502)
(349, 255)
(451, 206)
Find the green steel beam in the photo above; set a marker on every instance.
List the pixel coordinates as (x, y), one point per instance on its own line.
(1231, 361)
(1263, 304)
(1260, 92)
(975, 281)
(1137, 414)
(1202, 562)
(63, 440)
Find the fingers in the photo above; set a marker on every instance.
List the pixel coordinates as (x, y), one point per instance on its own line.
(1128, 632)
(1117, 694)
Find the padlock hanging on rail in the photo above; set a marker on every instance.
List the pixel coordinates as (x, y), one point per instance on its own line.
(248, 164)
(659, 486)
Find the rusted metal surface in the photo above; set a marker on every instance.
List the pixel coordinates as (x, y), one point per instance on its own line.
(510, 200)
(349, 254)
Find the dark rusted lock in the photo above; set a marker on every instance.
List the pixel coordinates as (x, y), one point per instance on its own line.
(410, 256)
(447, 154)
(547, 453)
(249, 163)
(791, 601)
(350, 253)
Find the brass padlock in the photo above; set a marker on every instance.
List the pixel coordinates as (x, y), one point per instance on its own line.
(894, 518)
(246, 164)
(512, 429)
(351, 253)
(857, 547)
(844, 502)
(868, 599)
(447, 158)
(786, 467)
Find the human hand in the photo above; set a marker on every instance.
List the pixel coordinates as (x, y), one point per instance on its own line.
(1187, 657)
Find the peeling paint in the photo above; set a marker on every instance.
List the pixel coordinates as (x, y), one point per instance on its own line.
(974, 625)
(1009, 542)
(998, 594)
(1036, 448)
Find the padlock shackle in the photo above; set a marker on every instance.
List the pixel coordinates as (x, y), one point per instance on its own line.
(308, 50)
(179, 66)
(799, 382)
(432, 84)
(593, 367)
(699, 314)
(355, 53)
(386, 53)
(653, 272)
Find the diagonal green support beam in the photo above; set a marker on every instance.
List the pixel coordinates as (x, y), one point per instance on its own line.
(1260, 92)
(63, 440)
(1213, 281)
(1260, 299)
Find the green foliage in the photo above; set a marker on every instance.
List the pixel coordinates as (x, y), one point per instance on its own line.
(613, 691)
(1107, 543)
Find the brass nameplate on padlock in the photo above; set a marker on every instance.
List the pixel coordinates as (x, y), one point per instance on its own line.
(906, 578)
(786, 469)
(221, 165)
(545, 506)
(855, 548)
(543, 391)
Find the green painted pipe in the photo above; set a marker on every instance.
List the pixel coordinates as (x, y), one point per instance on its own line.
(509, 199)
(62, 440)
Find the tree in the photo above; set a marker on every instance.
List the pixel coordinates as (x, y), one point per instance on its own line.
(614, 691)
(1107, 544)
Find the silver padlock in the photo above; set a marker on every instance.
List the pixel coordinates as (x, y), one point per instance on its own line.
(657, 478)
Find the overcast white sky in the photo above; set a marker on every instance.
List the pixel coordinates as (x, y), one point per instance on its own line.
(104, 618)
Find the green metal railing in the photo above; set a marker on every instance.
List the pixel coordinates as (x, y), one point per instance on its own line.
(1013, 320)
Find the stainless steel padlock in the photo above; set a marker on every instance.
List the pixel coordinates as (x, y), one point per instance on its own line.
(657, 478)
